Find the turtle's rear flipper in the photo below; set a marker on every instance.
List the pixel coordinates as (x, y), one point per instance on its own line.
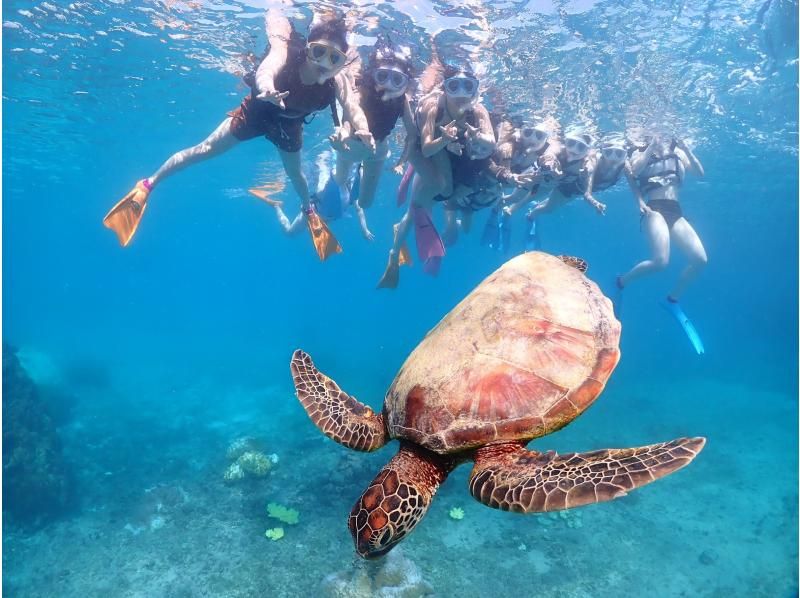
(339, 416)
(511, 478)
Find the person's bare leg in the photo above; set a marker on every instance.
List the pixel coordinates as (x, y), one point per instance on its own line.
(689, 242)
(422, 194)
(344, 165)
(657, 232)
(466, 221)
(370, 176)
(292, 166)
(450, 232)
(289, 227)
(221, 140)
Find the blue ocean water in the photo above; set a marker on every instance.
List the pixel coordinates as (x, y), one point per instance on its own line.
(154, 358)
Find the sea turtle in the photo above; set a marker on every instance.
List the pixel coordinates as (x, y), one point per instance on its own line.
(525, 353)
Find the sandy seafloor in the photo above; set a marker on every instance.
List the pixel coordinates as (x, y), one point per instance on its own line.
(165, 524)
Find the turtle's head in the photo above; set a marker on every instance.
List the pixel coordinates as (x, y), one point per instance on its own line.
(382, 517)
(396, 500)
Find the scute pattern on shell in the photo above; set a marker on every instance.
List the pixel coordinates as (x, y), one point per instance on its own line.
(521, 356)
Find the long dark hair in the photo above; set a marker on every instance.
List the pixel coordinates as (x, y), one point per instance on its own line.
(332, 29)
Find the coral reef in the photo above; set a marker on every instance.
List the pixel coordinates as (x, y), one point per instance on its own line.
(393, 576)
(248, 460)
(35, 477)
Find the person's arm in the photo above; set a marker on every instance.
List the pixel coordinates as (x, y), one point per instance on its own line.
(590, 167)
(639, 160)
(411, 135)
(447, 133)
(689, 159)
(350, 100)
(481, 137)
(635, 191)
(279, 30)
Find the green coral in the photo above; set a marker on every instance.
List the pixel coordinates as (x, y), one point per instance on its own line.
(283, 514)
(274, 534)
(456, 513)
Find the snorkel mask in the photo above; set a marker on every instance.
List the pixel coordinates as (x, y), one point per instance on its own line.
(461, 85)
(327, 46)
(390, 69)
(577, 145)
(534, 137)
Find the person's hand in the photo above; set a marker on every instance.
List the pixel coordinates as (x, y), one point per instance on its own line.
(644, 209)
(368, 234)
(525, 179)
(365, 137)
(273, 97)
(551, 163)
(600, 207)
(508, 211)
(454, 147)
(449, 131)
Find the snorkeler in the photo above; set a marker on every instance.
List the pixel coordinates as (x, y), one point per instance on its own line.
(294, 80)
(522, 153)
(658, 173)
(452, 130)
(380, 89)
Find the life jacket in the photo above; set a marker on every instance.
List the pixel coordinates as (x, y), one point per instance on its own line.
(661, 172)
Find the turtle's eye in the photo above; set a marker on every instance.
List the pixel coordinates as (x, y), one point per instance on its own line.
(384, 537)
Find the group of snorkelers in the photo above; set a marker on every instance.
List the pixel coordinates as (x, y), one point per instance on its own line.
(457, 153)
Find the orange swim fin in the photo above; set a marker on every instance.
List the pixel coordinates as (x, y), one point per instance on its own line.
(124, 217)
(264, 194)
(324, 241)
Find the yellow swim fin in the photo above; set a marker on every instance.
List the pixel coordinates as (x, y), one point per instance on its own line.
(324, 241)
(124, 217)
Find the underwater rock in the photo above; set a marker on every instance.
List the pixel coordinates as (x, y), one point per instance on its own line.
(393, 576)
(243, 445)
(35, 477)
(249, 460)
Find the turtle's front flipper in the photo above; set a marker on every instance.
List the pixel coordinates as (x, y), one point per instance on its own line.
(339, 416)
(512, 478)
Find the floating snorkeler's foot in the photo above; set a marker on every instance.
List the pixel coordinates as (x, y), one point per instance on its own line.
(124, 217)
(324, 241)
(671, 305)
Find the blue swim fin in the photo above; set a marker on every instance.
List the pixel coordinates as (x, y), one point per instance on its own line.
(330, 203)
(491, 232)
(691, 332)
